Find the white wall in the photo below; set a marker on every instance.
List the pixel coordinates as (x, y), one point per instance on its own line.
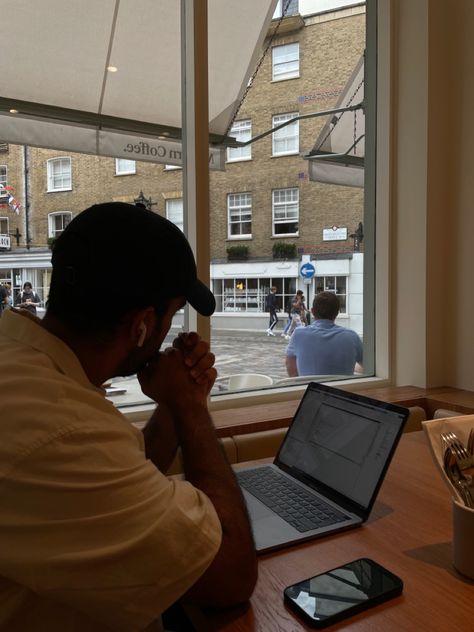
(308, 7)
(433, 193)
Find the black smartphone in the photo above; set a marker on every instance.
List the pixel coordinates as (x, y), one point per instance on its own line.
(341, 592)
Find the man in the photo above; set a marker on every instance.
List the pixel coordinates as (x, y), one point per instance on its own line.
(94, 535)
(28, 299)
(324, 348)
(3, 298)
(272, 307)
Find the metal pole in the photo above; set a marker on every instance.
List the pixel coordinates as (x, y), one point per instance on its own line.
(195, 119)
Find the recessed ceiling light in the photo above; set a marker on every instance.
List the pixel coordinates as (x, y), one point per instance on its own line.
(112, 68)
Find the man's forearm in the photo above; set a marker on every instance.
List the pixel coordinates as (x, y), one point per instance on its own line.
(160, 437)
(291, 366)
(231, 577)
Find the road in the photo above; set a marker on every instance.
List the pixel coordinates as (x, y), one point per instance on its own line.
(249, 352)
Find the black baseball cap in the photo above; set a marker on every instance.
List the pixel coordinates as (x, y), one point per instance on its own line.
(117, 247)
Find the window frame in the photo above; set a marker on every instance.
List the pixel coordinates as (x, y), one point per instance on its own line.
(283, 133)
(240, 221)
(286, 221)
(52, 234)
(168, 203)
(3, 192)
(327, 288)
(7, 220)
(241, 134)
(51, 176)
(126, 172)
(292, 74)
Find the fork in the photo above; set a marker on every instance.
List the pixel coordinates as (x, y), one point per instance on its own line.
(456, 477)
(470, 441)
(464, 459)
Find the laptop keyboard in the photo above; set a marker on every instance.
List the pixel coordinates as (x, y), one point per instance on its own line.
(289, 500)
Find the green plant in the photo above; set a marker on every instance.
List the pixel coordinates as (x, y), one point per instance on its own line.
(284, 250)
(237, 253)
(51, 241)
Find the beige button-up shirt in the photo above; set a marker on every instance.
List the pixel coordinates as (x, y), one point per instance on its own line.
(92, 535)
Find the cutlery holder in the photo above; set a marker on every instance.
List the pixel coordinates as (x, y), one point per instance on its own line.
(463, 536)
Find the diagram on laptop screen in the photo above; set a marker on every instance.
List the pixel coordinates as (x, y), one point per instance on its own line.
(341, 443)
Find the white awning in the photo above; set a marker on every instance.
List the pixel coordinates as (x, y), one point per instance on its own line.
(54, 60)
(338, 154)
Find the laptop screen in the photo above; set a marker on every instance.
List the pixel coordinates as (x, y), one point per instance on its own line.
(343, 440)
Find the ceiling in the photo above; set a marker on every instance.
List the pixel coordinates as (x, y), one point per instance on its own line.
(54, 59)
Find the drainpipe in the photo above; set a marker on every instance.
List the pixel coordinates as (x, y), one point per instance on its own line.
(27, 201)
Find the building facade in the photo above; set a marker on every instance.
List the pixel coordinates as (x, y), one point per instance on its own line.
(267, 218)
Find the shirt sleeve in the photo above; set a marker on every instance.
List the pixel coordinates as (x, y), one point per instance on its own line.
(97, 527)
(359, 350)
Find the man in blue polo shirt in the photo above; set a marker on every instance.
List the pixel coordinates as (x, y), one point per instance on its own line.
(324, 348)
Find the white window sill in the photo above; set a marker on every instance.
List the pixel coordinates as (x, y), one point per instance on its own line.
(286, 153)
(58, 190)
(229, 162)
(278, 79)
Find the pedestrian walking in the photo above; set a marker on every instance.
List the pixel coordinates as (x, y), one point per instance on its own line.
(271, 305)
(298, 309)
(28, 299)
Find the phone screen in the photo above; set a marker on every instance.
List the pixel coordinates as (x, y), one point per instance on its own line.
(343, 591)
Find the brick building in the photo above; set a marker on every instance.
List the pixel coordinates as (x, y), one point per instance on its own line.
(263, 200)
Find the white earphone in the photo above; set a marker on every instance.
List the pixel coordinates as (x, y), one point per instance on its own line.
(141, 339)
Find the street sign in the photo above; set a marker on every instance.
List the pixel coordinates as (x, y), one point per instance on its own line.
(307, 270)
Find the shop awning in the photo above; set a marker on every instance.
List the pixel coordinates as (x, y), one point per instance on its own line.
(338, 153)
(58, 90)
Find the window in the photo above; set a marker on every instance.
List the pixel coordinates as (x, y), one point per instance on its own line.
(286, 139)
(3, 181)
(4, 234)
(291, 8)
(336, 284)
(59, 174)
(239, 209)
(57, 222)
(124, 167)
(285, 203)
(286, 61)
(174, 211)
(248, 294)
(242, 132)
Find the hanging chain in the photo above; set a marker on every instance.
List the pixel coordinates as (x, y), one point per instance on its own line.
(257, 67)
(355, 133)
(335, 119)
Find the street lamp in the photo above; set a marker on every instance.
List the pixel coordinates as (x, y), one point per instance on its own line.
(141, 200)
(358, 237)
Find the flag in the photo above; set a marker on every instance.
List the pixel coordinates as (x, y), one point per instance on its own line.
(14, 204)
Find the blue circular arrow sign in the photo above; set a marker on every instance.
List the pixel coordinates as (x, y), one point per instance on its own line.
(307, 270)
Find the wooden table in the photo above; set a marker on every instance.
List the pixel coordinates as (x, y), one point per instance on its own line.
(409, 532)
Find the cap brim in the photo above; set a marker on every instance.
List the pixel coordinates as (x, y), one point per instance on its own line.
(201, 298)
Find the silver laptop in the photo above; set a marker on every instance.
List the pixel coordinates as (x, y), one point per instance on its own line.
(328, 471)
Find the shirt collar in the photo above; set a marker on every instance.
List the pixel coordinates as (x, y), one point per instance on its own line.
(23, 327)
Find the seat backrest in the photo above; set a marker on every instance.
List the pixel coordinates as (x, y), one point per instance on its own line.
(441, 413)
(303, 379)
(416, 415)
(245, 380)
